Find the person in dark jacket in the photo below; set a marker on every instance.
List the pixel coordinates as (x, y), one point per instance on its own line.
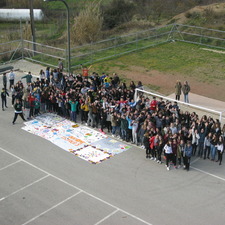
(28, 78)
(186, 89)
(4, 80)
(188, 154)
(4, 94)
(178, 88)
(18, 111)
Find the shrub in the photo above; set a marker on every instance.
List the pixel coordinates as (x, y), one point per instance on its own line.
(117, 12)
(88, 24)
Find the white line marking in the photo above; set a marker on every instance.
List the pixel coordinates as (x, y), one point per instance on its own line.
(10, 164)
(194, 161)
(24, 187)
(210, 174)
(65, 182)
(107, 217)
(60, 203)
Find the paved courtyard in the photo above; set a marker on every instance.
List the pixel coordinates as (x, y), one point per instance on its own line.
(43, 184)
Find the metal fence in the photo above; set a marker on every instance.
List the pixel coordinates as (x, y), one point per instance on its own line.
(113, 47)
(199, 35)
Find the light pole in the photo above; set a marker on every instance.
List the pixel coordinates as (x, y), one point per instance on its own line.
(68, 30)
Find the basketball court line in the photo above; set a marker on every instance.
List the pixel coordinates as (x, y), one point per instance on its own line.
(105, 218)
(3, 198)
(53, 207)
(210, 174)
(11, 164)
(79, 189)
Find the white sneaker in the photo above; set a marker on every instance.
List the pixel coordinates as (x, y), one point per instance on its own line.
(157, 161)
(86, 124)
(151, 158)
(154, 159)
(160, 162)
(167, 168)
(113, 135)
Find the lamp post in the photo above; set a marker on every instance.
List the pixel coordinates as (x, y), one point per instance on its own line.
(68, 30)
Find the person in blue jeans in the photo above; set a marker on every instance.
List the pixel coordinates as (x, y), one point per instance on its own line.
(73, 112)
(187, 156)
(213, 144)
(186, 89)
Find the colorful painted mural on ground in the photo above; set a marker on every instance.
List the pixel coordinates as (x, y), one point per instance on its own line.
(82, 141)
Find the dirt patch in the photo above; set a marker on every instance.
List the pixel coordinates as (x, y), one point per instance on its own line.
(164, 82)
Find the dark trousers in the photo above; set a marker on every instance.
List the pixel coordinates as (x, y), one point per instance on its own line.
(194, 147)
(11, 82)
(169, 157)
(200, 148)
(159, 153)
(206, 152)
(175, 159)
(147, 148)
(16, 115)
(220, 156)
(178, 97)
(187, 162)
(4, 102)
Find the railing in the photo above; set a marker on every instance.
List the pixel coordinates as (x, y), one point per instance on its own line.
(113, 47)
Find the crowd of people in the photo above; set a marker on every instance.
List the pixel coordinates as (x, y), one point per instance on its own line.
(106, 103)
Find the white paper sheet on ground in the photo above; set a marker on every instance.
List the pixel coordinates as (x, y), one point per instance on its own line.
(92, 155)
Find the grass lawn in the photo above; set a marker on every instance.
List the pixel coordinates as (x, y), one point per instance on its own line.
(162, 65)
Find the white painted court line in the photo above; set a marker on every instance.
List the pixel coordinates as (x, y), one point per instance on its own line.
(210, 174)
(107, 217)
(11, 164)
(65, 182)
(60, 203)
(25, 187)
(194, 161)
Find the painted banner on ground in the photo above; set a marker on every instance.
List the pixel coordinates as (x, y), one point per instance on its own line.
(82, 141)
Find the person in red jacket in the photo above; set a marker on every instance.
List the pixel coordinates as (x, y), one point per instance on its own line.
(31, 100)
(151, 145)
(153, 105)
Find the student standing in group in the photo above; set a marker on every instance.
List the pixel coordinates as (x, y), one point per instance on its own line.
(28, 78)
(11, 78)
(4, 80)
(174, 149)
(159, 148)
(168, 153)
(181, 152)
(220, 148)
(18, 111)
(213, 144)
(4, 94)
(207, 145)
(73, 113)
(146, 144)
(188, 154)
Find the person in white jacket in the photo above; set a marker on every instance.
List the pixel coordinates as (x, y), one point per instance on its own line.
(195, 138)
(168, 153)
(11, 78)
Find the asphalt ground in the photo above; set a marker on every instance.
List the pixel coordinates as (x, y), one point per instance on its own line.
(43, 184)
